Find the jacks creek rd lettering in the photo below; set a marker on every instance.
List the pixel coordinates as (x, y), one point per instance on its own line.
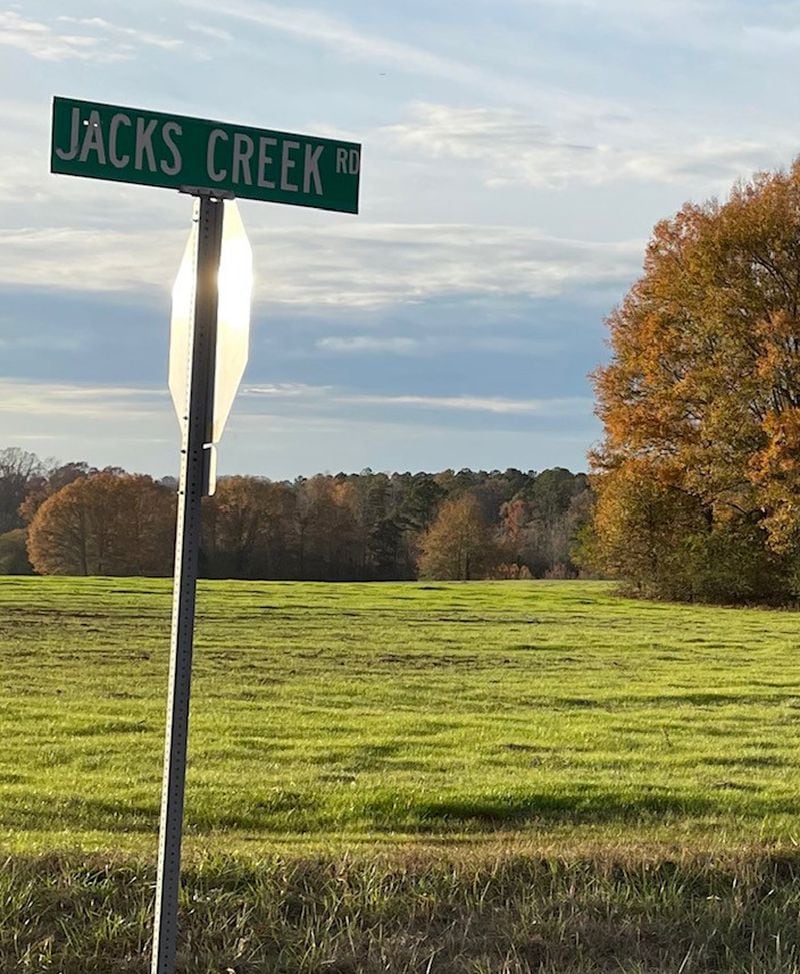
(131, 145)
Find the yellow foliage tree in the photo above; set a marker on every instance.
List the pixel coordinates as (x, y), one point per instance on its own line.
(459, 544)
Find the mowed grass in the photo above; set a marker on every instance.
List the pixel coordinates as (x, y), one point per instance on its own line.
(553, 714)
(484, 778)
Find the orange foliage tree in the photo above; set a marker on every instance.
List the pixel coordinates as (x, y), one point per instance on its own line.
(248, 528)
(104, 524)
(460, 543)
(698, 476)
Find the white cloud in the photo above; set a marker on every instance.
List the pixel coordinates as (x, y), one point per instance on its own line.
(37, 409)
(498, 405)
(43, 42)
(88, 260)
(347, 41)
(347, 265)
(481, 404)
(484, 68)
(68, 399)
(77, 38)
(506, 146)
(287, 429)
(286, 390)
(136, 35)
(132, 427)
(215, 33)
(356, 344)
(364, 265)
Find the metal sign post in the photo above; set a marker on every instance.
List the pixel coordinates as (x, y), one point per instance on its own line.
(196, 453)
(209, 339)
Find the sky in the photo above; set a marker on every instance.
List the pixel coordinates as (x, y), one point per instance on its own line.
(516, 156)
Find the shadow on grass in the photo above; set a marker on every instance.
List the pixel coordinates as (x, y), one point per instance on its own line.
(279, 811)
(288, 812)
(461, 813)
(79, 814)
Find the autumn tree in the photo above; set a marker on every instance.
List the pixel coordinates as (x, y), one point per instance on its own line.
(460, 542)
(699, 470)
(248, 529)
(326, 529)
(105, 524)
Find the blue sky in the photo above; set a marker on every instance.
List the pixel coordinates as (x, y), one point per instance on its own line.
(516, 154)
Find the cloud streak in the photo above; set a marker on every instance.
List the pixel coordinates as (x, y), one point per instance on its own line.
(68, 399)
(508, 147)
(133, 34)
(137, 402)
(41, 41)
(361, 344)
(556, 406)
(316, 27)
(77, 38)
(347, 265)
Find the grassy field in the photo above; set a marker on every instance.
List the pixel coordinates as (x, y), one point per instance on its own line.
(528, 775)
(554, 711)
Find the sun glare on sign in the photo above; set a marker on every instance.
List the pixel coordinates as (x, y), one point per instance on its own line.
(235, 287)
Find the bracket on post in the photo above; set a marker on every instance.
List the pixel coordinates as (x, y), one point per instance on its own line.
(207, 193)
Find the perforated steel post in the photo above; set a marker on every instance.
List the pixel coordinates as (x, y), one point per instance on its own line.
(195, 462)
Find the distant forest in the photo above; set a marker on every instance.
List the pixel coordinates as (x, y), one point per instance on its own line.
(72, 519)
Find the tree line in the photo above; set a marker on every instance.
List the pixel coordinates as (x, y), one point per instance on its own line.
(76, 520)
(694, 492)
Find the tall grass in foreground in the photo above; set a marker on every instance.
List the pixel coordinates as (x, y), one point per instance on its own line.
(468, 914)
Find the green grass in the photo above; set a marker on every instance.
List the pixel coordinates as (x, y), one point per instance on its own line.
(486, 778)
(503, 914)
(550, 713)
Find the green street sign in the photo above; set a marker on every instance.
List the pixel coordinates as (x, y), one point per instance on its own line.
(130, 145)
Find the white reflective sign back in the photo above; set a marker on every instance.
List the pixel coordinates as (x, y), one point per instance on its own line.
(235, 286)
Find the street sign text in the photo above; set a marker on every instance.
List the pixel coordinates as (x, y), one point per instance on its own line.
(177, 152)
